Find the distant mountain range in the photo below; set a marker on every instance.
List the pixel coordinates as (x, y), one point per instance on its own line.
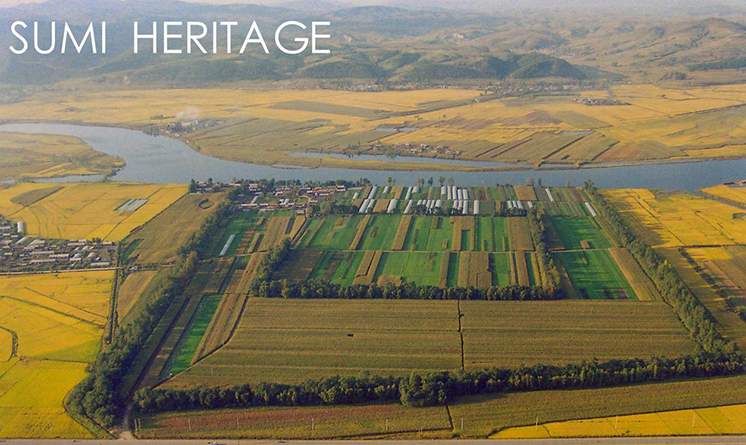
(398, 42)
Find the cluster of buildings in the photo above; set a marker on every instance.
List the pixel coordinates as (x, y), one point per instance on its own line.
(287, 197)
(598, 101)
(22, 253)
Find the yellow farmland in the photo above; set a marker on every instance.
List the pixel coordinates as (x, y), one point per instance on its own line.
(58, 321)
(674, 220)
(648, 122)
(689, 422)
(86, 210)
(735, 194)
(31, 395)
(47, 156)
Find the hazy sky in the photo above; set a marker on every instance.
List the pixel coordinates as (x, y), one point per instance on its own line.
(263, 2)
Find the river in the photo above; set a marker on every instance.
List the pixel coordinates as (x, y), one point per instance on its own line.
(159, 159)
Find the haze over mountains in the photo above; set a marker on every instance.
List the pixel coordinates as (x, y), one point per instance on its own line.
(448, 41)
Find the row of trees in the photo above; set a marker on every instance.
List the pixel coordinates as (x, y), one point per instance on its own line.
(441, 387)
(402, 291)
(690, 311)
(267, 267)
(264, 285)
(549, 273)
(201, 241)
(101, 395)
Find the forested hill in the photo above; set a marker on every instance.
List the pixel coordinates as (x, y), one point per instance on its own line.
(377, 43)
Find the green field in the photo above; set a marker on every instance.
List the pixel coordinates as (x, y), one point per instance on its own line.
(429, 233)
(380, 232)
(422, 268)
(189, 342)
(237, 227)
(338, 267)
(595, 275)
(491, 234)
(573, 231)
(333, 232)
(500, 269)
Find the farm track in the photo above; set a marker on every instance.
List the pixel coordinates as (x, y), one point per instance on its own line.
(461, 336)
(14, 339)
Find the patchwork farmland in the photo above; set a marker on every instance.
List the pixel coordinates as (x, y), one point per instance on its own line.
(412, 272)
(216, 333)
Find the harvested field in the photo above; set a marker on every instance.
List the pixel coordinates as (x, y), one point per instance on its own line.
(636, 277)
(514, 333)
(525, 193)
(295, 423)
(294, 340)
(520, 236)
(366, 272)
(474, 270)
(361, 228)
(484, 415)
(131, 290)
(228, 312)
(402, 232)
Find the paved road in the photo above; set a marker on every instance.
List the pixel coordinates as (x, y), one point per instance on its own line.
(705, 440)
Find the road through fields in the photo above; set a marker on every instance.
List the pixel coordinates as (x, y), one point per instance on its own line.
(700, 440)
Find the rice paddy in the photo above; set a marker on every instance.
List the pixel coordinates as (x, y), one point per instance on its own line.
(55, 322)
(85, 210)
(655, 123)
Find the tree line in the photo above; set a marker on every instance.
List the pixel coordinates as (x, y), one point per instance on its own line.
(695, 317)
(101, 395)
(310, 289)
(549, 273)
(438, 388)
(264, 285)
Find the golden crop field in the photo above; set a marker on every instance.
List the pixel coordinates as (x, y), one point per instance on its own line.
(678, 225)
(688, 422)
(31, 395)
(85, 210)
(486, 415)
(648, 122)
(736, 194)
(158, 241)
(679, 219)
(48, 156)
(58, 321)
